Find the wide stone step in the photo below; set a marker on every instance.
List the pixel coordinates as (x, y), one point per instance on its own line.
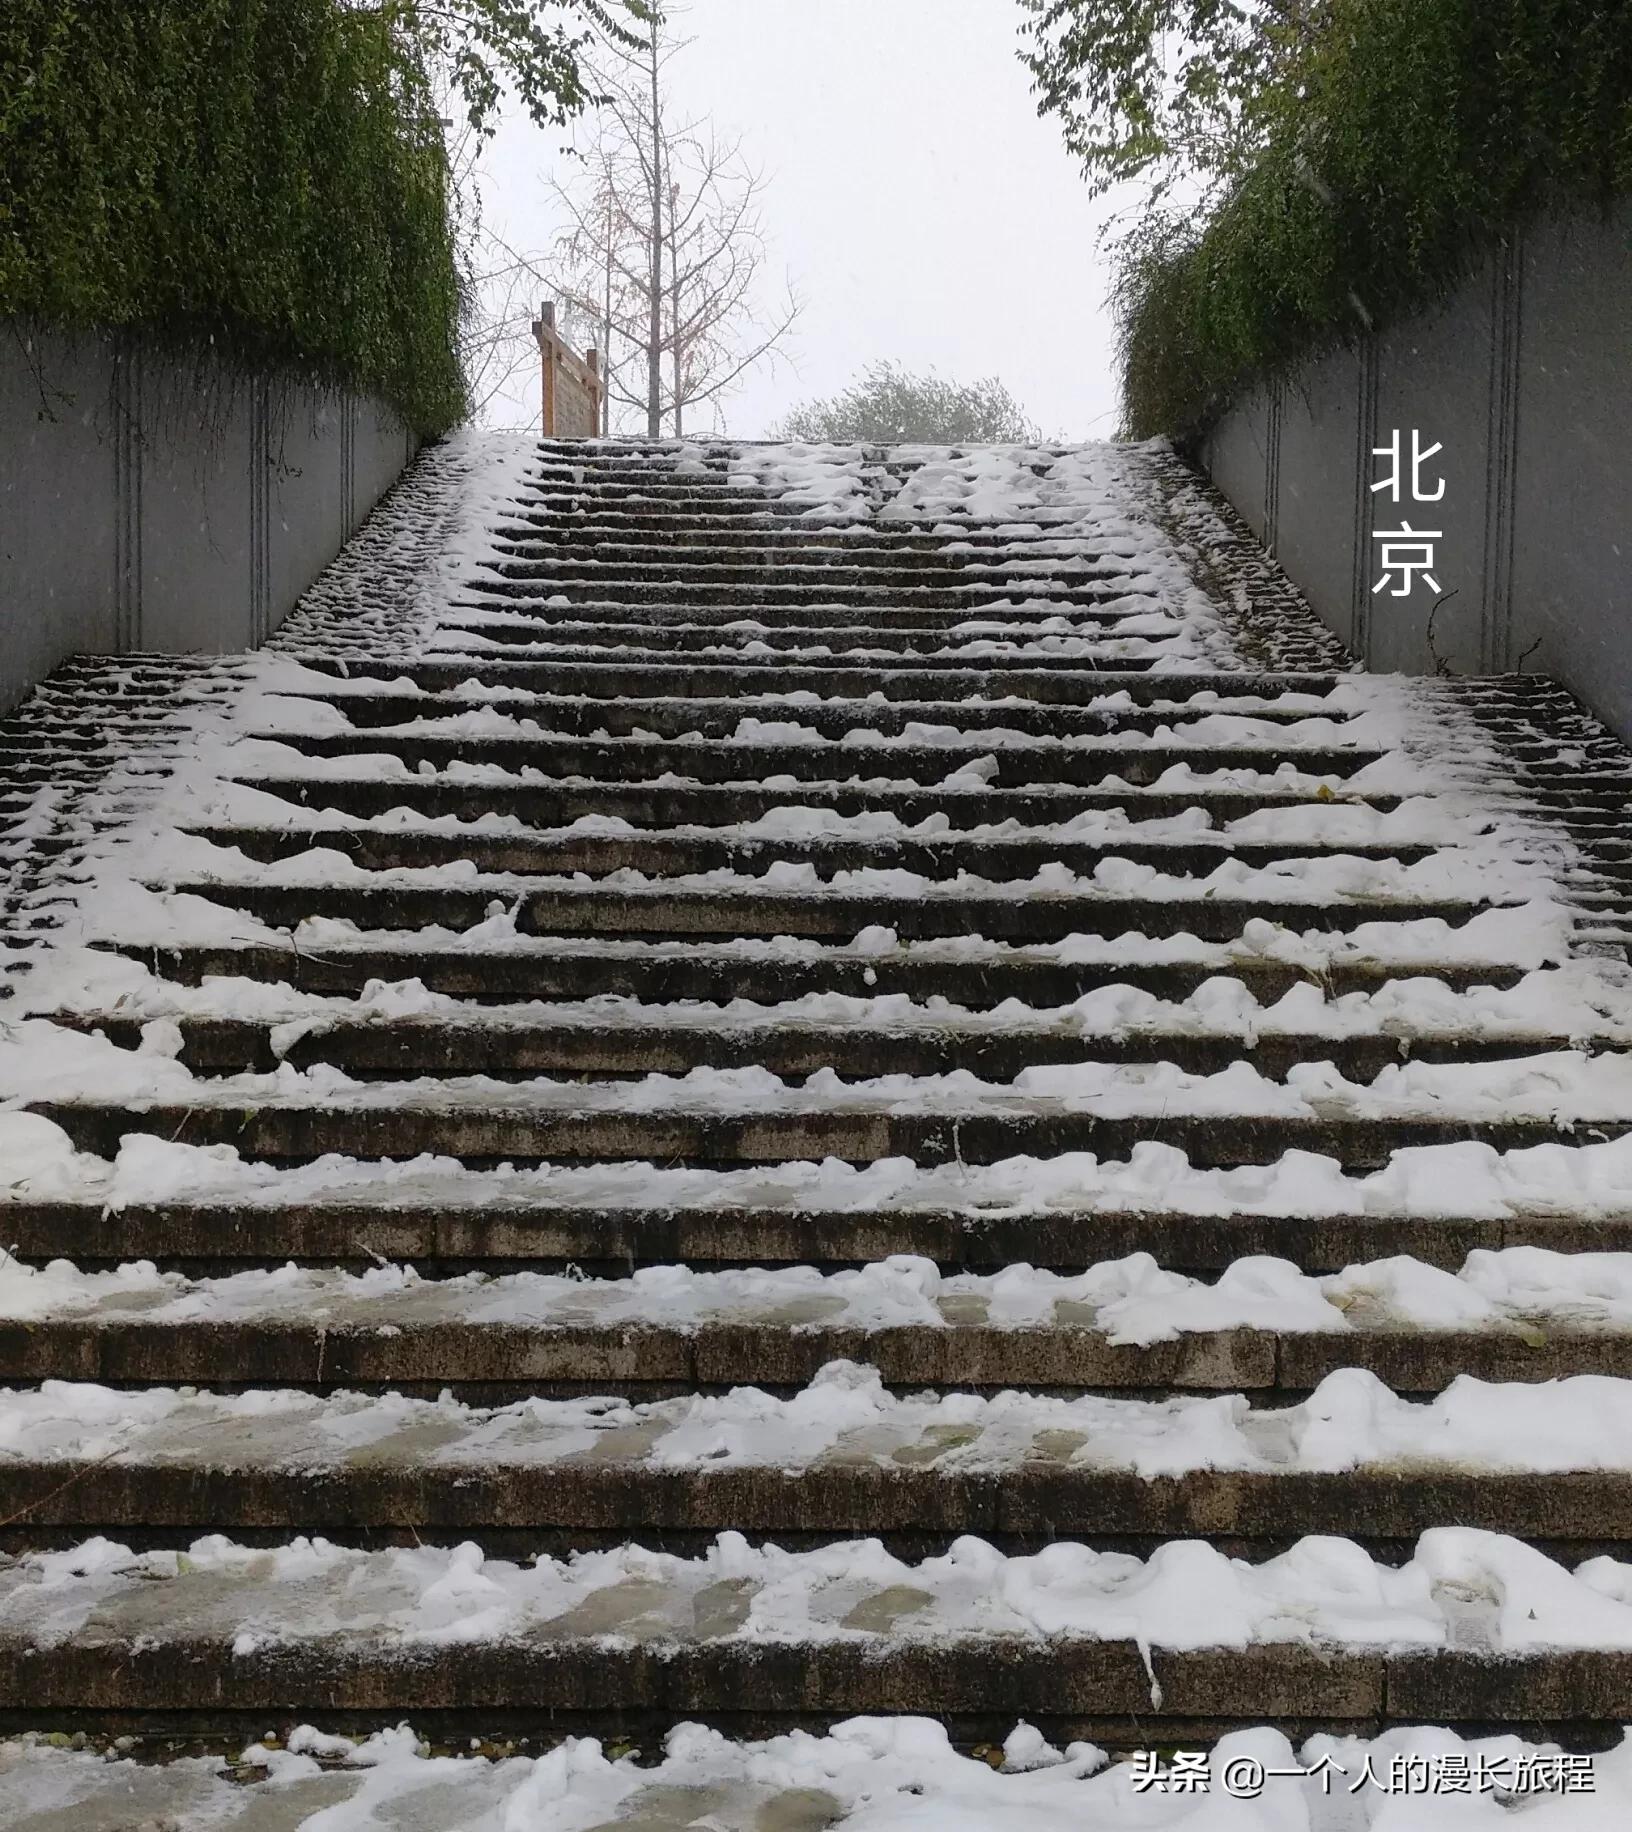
(821, 569)
(1046, 686)
(668, 911)
(749, 762)
(1073, 1690)
(617, 535)
(545, 1508)
(829, 1777)
(481, 1221)
(1123, 683)
(743, 508)
(544, 803)
(555, 1477)
(483, 636)
(647, 516)
(668, 490)
(909, 635)
(977, 979)
(1115, 1327)
(722, 717)
(373, 1049)
(668, 853)
(864, 546)
(1475, 1627)
(570, 1126)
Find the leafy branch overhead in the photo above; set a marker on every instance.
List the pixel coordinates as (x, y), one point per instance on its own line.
(1395, 143)
(1164, 89)
(540, 49)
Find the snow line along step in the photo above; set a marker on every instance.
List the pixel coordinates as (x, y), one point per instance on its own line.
(841, 1458)
(200, 1687)
(1046, 686)
(501, 1362)
(1264, 1326)
(359, 682)
(550, 967)
(543, 801)
(1014, 766)
(522, 581)
(365, 705)
(1318, 1635)
(678, 909)
(657, 853)
(892, 1772)
(501, 1229)
(657, 1041)
(1030, 632)
(539, 1122)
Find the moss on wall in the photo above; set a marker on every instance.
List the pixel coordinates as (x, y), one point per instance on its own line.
(264, 174)
(1420, 131)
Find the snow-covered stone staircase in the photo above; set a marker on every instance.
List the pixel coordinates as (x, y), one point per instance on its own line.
(763, 1084)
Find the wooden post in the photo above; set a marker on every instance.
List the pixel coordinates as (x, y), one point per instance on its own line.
(571, 384)
(545, 332)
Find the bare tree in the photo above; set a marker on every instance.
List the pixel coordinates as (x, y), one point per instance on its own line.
(666, 248)
(594, 256)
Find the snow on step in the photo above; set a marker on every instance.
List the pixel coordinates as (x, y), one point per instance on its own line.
(844, 1419)
(1521, 1313)
(881, 1774)
(1481, 1593)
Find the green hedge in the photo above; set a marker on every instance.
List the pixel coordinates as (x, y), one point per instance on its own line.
(266, 173)
(1425, 129)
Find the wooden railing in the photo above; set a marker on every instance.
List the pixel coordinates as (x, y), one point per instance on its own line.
(572, 383)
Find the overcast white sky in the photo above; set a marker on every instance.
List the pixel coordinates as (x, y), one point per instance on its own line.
(915, 200)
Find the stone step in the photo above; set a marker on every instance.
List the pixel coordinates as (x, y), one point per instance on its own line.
(675, 910)
(646, 516)
(978, 980)
(543, 802)
(830, 719)
(817, 1780)
(1122, 683)
(669, 491)
(1113, 1327)
(596, 570)
(147, 1670)
(642, 760)
(572, 1122)
(555, 1477)
(487, 1221)
(608, 680)
(608, 592)
(553, 1509)
(476, 633)
(742, 508)
(614, 535)
(661, 854)
(910, 634)
(895, 629)
(599, 1045)
(868, 546)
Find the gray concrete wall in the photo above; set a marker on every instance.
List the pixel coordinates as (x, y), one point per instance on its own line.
(1524, 375)
(166, 503)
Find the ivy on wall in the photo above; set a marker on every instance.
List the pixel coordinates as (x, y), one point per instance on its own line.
(1420, 131)
(267, 174)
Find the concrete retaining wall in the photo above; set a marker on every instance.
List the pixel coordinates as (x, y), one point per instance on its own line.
(165, 503)
(1525, 376)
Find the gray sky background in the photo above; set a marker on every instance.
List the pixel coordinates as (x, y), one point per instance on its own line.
(913, 198)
